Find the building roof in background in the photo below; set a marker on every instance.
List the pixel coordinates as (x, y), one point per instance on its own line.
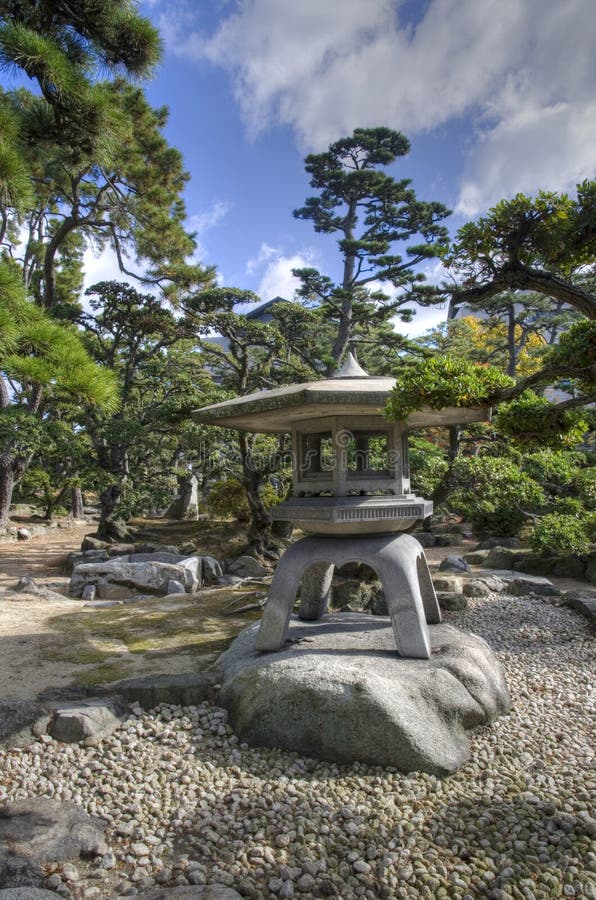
(263, 311)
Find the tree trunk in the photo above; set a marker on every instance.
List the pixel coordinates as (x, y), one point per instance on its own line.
(76, 503)
(511, 348)
(442, 490)
(108, 499)
(454, 439)
(7, 484)
(259, 530)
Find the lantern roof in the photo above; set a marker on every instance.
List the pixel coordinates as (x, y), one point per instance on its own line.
(350, 392)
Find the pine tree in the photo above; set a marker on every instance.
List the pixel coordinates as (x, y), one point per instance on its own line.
(372, 213)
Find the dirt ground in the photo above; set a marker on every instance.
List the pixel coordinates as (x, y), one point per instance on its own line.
(53, 644)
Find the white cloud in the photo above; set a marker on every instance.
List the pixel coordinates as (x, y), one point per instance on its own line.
(425, 317)
(278, 280)
(539, 147)
(274, 270)
(524, 69)
(210, 217)
(203, 222)
(104, 267)
(265, 254)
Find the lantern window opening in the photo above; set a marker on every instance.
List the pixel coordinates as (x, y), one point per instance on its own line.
(317, 456)
(368, 453)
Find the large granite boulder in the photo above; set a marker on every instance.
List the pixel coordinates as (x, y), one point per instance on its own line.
(37, 832)
(339, 691)
(147, 575)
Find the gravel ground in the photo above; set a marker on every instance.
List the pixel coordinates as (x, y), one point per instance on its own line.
(186, 803)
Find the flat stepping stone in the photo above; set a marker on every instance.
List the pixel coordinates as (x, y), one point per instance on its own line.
(37, 832)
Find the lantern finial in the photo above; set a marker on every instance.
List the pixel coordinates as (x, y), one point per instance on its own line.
(351, 368)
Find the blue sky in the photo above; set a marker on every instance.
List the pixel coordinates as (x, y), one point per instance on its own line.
(496, 97)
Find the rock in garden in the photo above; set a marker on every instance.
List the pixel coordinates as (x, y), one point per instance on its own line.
(23, 534)
(102, 604)
(191, 892)
(186, 505)
(153, 547)
(448, 600)
(149, 691)
(533, 584)
(454, 564)
(493, 583)
(569, 567)
(37, 832)
(149, 576)
(27, 585)
(89, 592)
(489, 543)
(164, 556)
(339, 691)
(111, 592)
(476, 588)
(27, 893)
(349, 593)
(583, 602)
(500, 558)
(425, 538)
(89, 722)
(175, 587)
(448, 583)
(212, 570)
(447, 540)
(90, 542)
(121, 549)
(21, 722)
(187, 549)
(247, 567)
(476, 557)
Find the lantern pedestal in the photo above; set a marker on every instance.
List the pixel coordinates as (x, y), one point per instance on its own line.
(398, 561)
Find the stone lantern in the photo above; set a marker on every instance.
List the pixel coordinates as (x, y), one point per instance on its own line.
(351, 493)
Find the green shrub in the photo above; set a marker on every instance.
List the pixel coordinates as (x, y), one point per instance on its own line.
(530, 420)
(559, 534)
(551, 466)
(569, 506)
(227, 500)
(493, 494)
(584, 486)
(427, 465)
(443, 380)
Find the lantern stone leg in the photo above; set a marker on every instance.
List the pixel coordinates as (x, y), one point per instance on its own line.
(315, 591)
(400, 564)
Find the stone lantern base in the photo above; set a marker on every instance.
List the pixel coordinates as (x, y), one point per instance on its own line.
(338, 691)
